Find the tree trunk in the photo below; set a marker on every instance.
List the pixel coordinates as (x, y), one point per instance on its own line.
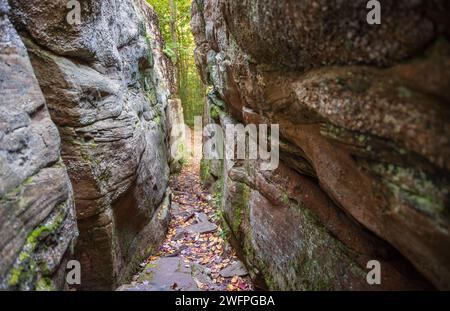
(173, 35)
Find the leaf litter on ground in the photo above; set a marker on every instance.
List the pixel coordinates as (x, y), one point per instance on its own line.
(209, 250)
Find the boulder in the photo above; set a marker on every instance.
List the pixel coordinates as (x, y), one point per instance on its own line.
(177, 134)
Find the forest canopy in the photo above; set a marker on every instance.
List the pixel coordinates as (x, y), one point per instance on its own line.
(174, 19)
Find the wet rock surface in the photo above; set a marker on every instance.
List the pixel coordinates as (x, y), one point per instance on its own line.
(364, 124)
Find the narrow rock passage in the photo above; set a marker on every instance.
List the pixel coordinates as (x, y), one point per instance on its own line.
(195, 254)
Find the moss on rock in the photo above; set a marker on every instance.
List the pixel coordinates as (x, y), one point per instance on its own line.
(29, 269)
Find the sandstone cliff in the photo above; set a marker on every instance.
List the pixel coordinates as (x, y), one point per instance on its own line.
(37, 215)
(109, 89)
(364, 128)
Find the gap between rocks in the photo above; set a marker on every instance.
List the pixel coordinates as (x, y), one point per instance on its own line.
(195, 254)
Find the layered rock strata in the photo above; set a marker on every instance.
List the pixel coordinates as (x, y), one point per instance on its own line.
(37, 215)
(364, 138)
(109, 89)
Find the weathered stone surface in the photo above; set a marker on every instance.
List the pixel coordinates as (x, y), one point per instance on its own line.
(164, 274)
(108, 85)
(37, 214)
(364, 125)
(177, 134)
(202, 227)
(317, 33)
(236, 268)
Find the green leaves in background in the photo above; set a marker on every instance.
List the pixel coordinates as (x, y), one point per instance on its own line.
(180, 49)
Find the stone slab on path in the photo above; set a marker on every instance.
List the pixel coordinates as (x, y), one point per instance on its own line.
(194, 252)
(203, 225)
(236, 268)
(165, 274)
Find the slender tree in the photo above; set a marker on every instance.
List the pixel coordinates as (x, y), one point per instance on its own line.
(174, 39)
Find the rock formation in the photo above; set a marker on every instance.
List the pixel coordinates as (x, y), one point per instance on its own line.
(37, 214)
(109, 89)
(364, 138)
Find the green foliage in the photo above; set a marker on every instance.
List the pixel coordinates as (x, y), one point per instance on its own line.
(181, 51)
(170, 53)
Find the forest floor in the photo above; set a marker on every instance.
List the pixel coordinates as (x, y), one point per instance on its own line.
(195, 254)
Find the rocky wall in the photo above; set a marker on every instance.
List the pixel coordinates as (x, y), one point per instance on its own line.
(109, 89)
(363, 112)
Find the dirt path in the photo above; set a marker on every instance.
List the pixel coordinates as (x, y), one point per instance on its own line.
(194, 255)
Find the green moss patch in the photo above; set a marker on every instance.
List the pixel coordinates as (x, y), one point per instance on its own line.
(28, 271)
